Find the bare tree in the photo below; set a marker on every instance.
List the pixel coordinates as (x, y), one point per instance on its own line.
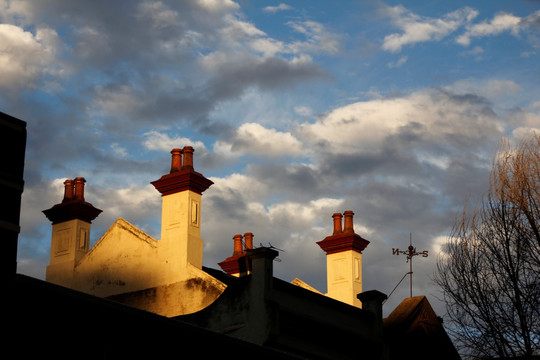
(490, 270)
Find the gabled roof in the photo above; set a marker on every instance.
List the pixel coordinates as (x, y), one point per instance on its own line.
(414, 327)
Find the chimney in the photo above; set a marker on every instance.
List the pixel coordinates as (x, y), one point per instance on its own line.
(262, 260)
(182, 175)
(372, 301)
(68, 190)
(248, 239)
(238, 251)
(238, 264)
(337, 223)
(181, 201)
(71, 223)
(176, 161)
(187, 165)
(348, 226)
(73, 205)
(344, 260)
(79, 188)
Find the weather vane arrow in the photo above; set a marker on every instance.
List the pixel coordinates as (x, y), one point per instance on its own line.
(410, 252)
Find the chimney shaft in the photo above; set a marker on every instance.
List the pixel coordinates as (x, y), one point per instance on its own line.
(348, 224)
(337, 223)
(176, 162)
(79, 188)
(68, 190)
(248, 238)
(188, 158)
(237, 245)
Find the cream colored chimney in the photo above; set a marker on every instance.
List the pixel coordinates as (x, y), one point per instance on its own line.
(344, 260)
(181, 190)
(71, 221)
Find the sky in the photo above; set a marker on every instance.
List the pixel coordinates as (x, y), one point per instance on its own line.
(296, 110)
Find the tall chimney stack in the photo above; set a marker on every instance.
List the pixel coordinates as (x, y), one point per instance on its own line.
(344, 260)
(181, 195)
(71, 223)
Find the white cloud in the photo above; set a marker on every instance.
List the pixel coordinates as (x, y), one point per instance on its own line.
(114, 202)
(501, 22)
(399, 63)
(420, 29)
(15, 11)
(254, 139)
(162, 141)
(218, 5)
(238, 30)
(160, 15)
(427, 116)
(319, 38)
(238, 187)
(280, 7)
(267, 46)
(25, 57)
(303, 214)
(119, 150)
(303, 110)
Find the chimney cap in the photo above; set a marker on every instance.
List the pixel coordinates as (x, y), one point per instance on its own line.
(182, 177)
(344, 240)
(73, 206)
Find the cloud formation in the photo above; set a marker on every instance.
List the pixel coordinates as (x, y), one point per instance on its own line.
(501, 22)
(294, 114)
(417, 29)
(27, 58)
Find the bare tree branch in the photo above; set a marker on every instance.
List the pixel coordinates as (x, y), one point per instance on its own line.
(490, 269)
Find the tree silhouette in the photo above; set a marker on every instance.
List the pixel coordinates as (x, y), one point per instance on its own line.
(489, 271)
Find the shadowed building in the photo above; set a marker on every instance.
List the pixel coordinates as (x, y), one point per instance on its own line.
(13, 148)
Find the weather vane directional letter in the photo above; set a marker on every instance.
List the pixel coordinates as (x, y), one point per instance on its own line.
(410, 252)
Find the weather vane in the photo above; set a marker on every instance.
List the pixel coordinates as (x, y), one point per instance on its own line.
(410, 252)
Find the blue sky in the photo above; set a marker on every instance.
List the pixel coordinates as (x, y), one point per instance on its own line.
(296, 110)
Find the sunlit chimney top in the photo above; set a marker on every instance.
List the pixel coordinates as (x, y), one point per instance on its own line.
(188, 158)
(348, 226)
(248, 240)
(73, 205)
(68, 190)
(79, 188)
(343, 240)
(182, 175)
(176, 162)
(337, 223)
(238, 264)
(238, 250)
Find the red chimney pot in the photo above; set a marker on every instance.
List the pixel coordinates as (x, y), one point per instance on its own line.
(176, 162)
(68, 190)
(248, 237)
(348, 223)
(237, 245)
(337, 223)
(188, 158)
(79, 188)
